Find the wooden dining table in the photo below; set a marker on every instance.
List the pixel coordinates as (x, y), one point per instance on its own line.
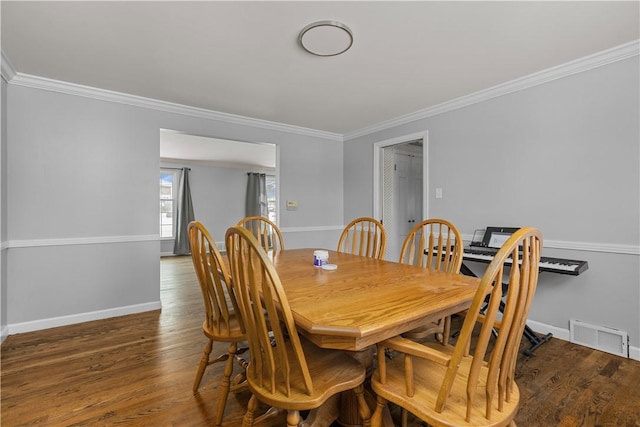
(365, 301)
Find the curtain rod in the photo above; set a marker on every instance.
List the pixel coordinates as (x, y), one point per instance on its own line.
(178, 169)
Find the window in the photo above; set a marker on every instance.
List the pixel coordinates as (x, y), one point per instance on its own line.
(168, 195)
(272, 203)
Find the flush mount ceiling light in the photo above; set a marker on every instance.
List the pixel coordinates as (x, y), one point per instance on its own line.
(326, 38)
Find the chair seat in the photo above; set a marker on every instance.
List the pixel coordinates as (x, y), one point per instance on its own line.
(428, 378)
(234, 334)
(333, 372)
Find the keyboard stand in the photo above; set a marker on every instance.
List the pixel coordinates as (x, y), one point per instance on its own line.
(535, 340)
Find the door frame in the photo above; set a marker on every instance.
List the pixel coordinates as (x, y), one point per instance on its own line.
(378, 167)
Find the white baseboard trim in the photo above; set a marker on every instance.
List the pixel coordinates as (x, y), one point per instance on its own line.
(543, 328)
(17, 328)
(4, 333)
(165, 254)
(37, 325)
(565, 335)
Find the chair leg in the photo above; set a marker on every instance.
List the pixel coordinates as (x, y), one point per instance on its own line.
(204, 362)
(226, 383)
(293, 418)
(446, 332)
(363, 407)
(376, 418)
(250, 415)
(404, 417)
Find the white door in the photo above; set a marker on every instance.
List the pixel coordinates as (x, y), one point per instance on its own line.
(407, 201)
(411, 185)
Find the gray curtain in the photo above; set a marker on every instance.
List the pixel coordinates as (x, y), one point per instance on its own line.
(256, 201)
(184, 215)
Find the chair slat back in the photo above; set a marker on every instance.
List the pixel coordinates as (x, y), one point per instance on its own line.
(219, 300)
(265, 231)
(435, 244)
(500, 357)
(274, 343)
(364, 237)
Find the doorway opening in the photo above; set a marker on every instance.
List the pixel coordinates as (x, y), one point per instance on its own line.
(400, 187)
(218, 171)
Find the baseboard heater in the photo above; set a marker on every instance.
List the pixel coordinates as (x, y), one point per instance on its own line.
(601, 338)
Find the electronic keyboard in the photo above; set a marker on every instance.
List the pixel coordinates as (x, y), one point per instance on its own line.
(552, 265)
(484, 246)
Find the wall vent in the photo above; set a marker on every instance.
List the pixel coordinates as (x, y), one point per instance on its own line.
(599, 337)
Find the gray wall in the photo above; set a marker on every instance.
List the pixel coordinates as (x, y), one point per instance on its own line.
(80, 186)
(562, 156)
(3, 208)
(218, 195)
(82, 197)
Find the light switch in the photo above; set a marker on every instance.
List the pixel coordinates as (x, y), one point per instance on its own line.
(438, 193)
(292, 205)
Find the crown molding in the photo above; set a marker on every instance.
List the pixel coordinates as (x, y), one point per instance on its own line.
(580, 65)
(44, 83)
(590, 62)
(7, 71)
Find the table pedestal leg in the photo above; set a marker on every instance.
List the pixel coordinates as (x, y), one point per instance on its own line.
(349, 412)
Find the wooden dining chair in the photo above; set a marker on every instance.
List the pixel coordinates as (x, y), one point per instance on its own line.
(265, 231)
(285, 371)
(435, 244)
(471, 384)
(222, 321)
(365, 237)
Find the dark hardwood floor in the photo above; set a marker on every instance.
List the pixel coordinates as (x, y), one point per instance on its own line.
(139, 369)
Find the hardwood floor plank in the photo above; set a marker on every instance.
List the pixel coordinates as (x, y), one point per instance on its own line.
(138, 370)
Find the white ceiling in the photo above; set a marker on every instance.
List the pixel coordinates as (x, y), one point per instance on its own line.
(216, 152)
(242, 57)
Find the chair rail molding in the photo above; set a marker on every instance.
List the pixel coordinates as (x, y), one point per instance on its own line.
(613, 248)
(82, 241)
(312, 228)
(556, 244)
